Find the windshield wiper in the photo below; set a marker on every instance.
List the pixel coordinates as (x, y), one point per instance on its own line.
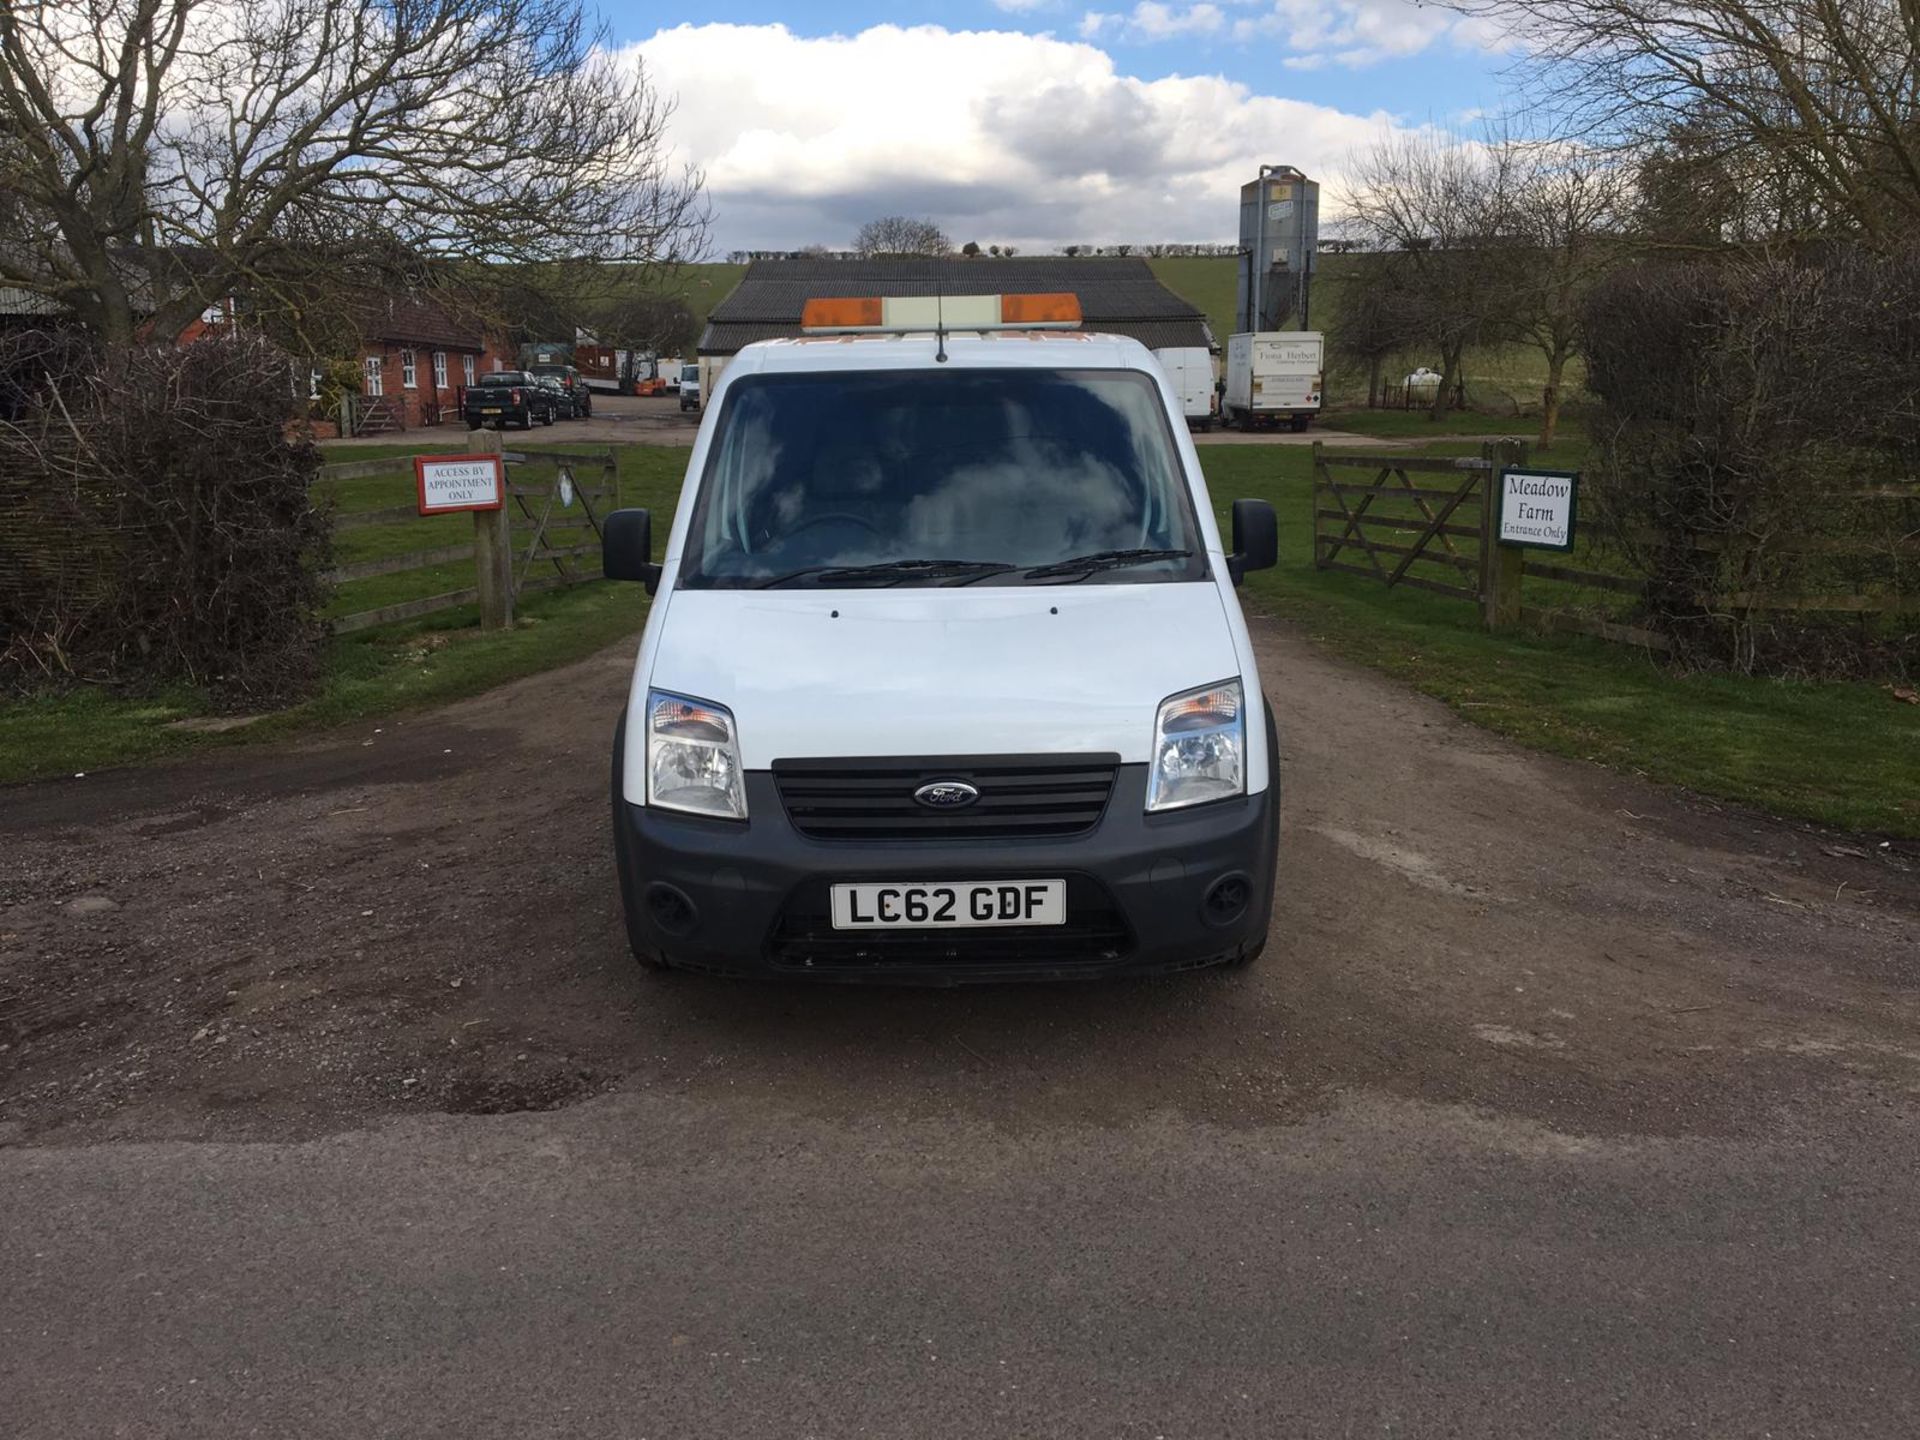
(889, 572)
(1085, 565)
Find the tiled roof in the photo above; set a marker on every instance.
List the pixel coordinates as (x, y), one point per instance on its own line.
(1118, 296)
(417, 320)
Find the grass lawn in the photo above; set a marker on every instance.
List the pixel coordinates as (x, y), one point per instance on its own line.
(1842, 754)
(1414, 424)
(431, 660)
(1503, 381)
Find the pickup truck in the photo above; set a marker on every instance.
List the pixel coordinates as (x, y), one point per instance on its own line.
(571, 381)
(506, 397)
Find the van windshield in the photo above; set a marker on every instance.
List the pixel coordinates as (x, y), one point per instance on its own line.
(987, 477)
(689, 372)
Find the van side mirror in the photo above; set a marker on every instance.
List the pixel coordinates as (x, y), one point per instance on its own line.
(626, 548)
(1256, 539)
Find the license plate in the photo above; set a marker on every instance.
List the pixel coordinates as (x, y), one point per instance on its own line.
(949, 904)
(489, 409)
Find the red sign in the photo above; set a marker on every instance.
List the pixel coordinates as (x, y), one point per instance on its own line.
(450, 483)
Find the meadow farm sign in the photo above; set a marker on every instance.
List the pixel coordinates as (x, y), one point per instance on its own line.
(1537, 508)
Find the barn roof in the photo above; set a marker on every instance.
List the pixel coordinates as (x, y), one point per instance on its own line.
(1118, 295)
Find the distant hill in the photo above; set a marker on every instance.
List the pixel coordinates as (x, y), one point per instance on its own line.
(1210, 281)
(703, 286)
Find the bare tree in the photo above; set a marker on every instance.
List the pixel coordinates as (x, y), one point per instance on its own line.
(1809, 103)
(1440, 211)
(1378, 319)
(643, 322)
(1568, 208)
(164, 154)
(901, 235)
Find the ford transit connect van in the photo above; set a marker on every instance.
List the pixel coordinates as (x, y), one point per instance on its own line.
(945, 676)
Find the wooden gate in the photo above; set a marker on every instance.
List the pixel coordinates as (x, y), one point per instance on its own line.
(556, 502)
(1410, 520)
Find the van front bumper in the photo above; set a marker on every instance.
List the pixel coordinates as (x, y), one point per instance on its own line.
(1145, 893)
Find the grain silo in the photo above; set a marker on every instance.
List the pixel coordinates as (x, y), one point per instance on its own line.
(1279, 233)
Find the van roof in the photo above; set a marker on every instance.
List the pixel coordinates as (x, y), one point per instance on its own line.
(1037, 349)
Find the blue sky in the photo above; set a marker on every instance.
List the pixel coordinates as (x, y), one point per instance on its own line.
(1041, 122)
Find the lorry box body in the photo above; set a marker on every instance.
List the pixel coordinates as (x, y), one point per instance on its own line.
(1274, 376)
(1190, 371)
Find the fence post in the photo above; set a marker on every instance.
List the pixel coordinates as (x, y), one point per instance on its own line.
(1501, 566)
(492, 560)
(1313, 506)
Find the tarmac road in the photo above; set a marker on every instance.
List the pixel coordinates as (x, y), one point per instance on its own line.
(1559, 1105)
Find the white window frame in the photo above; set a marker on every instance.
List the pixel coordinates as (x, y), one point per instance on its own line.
(375, 371)
(409, 371)
(466, 365)
(439, 369)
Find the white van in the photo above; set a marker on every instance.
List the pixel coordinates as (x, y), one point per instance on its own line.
(1190, 371)
(689, 387)
(945, 676)
(1272, 376)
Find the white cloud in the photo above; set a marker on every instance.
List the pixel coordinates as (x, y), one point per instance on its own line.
(999, 136)
(1150, 21)
(1357, 32)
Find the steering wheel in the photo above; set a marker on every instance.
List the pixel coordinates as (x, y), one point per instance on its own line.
(843, 515)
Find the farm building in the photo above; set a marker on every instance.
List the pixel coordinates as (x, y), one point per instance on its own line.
(1118, 295)
(416, 356)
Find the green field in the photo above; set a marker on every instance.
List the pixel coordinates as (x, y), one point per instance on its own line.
(1502, 380)
(703, 286)
(431, 660)
(1841, 754)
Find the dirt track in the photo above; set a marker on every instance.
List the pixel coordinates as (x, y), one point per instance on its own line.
(418, 916)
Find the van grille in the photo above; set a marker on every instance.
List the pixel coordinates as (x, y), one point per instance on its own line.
(1020, 796)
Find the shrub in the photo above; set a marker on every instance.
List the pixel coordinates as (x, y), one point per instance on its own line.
(157, 526)
(1748, 411)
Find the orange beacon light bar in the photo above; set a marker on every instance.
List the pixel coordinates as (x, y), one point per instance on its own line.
(908, 314)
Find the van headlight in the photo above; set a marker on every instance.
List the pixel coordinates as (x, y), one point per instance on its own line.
(1199, 748)
(693, 757)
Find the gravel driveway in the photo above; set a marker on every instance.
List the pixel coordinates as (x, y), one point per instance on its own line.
(1558, 1104)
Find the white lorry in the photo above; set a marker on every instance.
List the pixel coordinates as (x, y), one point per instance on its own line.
(1190, 369)
(945, 676)
(1274, 375)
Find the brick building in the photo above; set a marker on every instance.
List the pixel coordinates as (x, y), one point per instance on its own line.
(416, 357)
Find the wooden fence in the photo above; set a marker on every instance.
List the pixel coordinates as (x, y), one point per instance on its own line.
(1429, 523)
(556, 501)
(1440, 536)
